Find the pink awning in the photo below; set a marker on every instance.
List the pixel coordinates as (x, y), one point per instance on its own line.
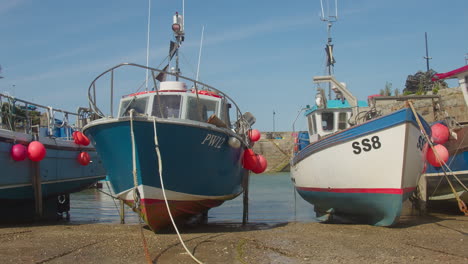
(451, 74)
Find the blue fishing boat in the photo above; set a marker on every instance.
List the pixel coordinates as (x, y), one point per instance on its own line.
(171, 151)
(449, 182)
(40, 160)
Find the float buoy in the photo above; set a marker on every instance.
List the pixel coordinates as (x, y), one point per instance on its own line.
(80, 138)
(254, 135)
(250, 159)
(83, 158)
(441, 151)
(36, 151)
(261, 164)
(18, 152)
(440, 133)
(234, 142)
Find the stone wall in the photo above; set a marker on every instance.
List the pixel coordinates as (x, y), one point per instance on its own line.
(451, 101)
(277, 148)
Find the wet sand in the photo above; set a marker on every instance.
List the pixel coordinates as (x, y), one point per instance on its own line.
(429, 239)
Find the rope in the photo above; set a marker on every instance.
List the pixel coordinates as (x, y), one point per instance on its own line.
(461, 204)
(136, 193)
(158, 153)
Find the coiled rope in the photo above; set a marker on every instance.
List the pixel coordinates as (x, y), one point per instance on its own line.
(445, 168)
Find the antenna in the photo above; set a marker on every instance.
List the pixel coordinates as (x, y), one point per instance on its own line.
(466, 59)
(199, 53)
(329, 47)
(148, 43)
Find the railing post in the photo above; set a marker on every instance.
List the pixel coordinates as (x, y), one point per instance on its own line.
(112, 94)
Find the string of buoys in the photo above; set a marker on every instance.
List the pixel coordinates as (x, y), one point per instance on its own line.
(35, 151)
(440, 134)
(252, 161)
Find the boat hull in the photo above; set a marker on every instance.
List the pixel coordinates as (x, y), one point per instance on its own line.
(364, 173)
(60, 171)
(435, 183)
(199, 168)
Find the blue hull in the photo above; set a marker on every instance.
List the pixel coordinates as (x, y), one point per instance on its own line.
(379, 209)
(60, 174)
(190, 164)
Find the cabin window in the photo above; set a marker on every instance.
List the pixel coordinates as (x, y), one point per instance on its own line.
(139, 105)
(201, 111)
(224, 113)
(167, 105)
(312, 124)
(341, 121)
(327, 121)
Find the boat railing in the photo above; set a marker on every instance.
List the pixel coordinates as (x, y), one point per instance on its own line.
(197, 86)
(27, 117)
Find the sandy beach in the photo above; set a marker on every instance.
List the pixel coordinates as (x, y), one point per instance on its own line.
(429, 239)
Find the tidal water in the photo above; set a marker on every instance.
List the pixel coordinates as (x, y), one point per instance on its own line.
(271, 200)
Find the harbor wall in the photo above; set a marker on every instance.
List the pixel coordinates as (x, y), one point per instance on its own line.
(277, 147)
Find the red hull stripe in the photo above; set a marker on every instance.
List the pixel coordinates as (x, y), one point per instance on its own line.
(359, 190)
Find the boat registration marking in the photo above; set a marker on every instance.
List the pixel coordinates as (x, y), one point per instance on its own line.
(213, 141)
(367, 145)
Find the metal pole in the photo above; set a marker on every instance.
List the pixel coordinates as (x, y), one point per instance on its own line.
(274, 121)
(112, 93)
(427, 53)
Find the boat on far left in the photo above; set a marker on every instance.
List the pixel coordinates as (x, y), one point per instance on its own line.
(43, 159)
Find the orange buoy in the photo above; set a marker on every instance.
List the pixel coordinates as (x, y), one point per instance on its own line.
(254, 135)
(440, 133)
(18, 152)
(250, 159)
(36, 151)
(261, 164)
(441, 151)
(84, 158)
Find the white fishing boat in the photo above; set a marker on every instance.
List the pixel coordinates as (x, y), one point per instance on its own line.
(360, 166)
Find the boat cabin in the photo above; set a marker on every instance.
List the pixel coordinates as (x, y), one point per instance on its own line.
(330, 119)
(174, 101)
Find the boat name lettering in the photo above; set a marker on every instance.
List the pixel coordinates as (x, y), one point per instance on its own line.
(213, 141)
(421, 142)
(367, 145)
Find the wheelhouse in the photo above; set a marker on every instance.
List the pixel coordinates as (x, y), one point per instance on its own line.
(328, 120)
(177, 104)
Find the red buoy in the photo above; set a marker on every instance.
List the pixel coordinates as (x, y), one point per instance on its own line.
(36, 151)
(254, 135)
(261, 164)
(80, 138)
(250, 159)
(441, 151)
(84, 158)
(18, 152)
(440, 133)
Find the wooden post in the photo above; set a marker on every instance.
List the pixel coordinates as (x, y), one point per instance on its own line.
(37, 187)
(245, 183)
(122, 212)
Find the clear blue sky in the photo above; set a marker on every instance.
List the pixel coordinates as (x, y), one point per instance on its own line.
(262, 53)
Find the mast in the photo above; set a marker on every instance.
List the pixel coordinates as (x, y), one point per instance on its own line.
(179, 35)
(427, 58)
(329, 47)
